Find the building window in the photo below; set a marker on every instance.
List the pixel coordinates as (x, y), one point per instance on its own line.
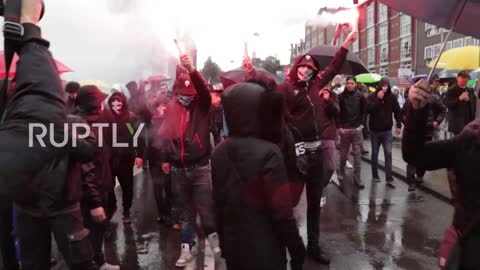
(356, 46)
(383, 33)
(428, 53)
(382, 13)
(321, 39)
(371, 15)
(406, 64)
(458, 43)
(405, 25)
(371, 57)
(469, 41)
(384, 71)
(384, 53)
(436, 50)
(448, 46)
(371, 37)
(431, 30)
(406, 45)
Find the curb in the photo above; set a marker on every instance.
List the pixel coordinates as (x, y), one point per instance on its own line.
(401, 174)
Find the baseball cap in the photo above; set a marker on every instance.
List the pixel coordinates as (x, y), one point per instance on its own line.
(464, 74)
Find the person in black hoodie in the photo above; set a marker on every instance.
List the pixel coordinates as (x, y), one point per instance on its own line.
(250, 183)
(303, 99)
(41, 178)
(123, 158)
(381, 105)
(187, 150)
(460, 153)
(90, 108)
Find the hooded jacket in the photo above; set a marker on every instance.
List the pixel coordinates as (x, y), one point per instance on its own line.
(381, 111)
(303, 99)
(250, 184)
(184, 137)
(127, 125)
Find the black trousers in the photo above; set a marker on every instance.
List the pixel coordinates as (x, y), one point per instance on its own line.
(35, 231)
(96, 236)
(314, 188)
(7, 240)
(162, 188)
(122, 168)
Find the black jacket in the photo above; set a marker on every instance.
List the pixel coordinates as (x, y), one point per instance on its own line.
(460, 113)
(127, 124)
(436, 113)
(381, 111)
(353, 108)
(303, 100)
(103, 157)
(185, 132)
(38, 177)
(251, 193)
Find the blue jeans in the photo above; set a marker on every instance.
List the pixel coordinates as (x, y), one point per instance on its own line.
(192, 188)
(385, 139)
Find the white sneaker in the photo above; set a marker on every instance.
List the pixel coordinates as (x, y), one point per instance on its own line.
(185, 256)
(349, 165)
(215, 245)
(107, 266)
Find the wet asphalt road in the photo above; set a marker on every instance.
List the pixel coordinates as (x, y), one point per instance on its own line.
(377, 228)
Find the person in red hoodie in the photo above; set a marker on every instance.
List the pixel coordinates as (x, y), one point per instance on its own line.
(185, 133)
(303, 98)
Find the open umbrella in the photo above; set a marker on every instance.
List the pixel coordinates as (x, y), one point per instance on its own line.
(13, 69)
(418, 77)
(324, 54)
(368, 78)
(159, 77)
(240, 75)
(459, 58)
(456, 15)
(100, 84)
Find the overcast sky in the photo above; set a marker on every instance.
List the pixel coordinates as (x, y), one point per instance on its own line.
(112, 40)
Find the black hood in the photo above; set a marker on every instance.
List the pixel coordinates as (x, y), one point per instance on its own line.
(254, 109)
(304, 60)
(123, 98)
(382, 82)
(241, 103)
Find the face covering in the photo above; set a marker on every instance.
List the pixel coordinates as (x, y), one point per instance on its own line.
(117, 106)
(384, 88)
(185, 100)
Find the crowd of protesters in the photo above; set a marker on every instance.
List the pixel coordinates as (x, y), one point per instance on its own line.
(242, 184)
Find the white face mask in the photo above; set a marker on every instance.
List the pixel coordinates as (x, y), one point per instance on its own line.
(117, 106)
(304, 73)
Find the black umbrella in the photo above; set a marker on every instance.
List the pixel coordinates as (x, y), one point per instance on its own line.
(324, 54)
(240, 75)
(456, 15)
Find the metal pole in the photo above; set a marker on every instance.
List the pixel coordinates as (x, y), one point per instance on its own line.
(456, 17)
(441, 51)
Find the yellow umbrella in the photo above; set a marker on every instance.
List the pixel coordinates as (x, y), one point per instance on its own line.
(100, 84)
(459, 58)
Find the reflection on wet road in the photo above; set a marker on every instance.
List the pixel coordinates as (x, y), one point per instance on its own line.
(376, 228)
